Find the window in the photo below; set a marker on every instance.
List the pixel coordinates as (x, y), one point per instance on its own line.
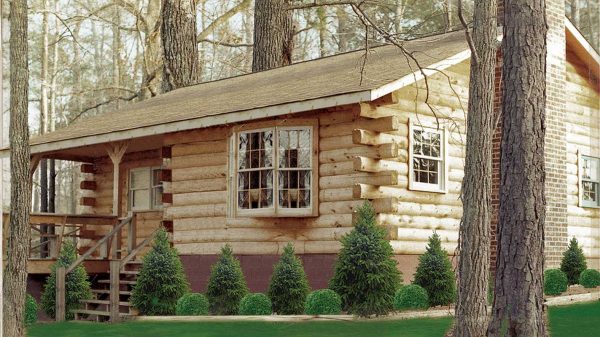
(274, 171)
(145, 189)
(589, 178)
(427, 164)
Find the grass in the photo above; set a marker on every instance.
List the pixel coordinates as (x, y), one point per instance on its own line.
(582, 318)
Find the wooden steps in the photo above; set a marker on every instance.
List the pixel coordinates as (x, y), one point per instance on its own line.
(99, 315)
(128, 282)
(105, 302)
(107, 292)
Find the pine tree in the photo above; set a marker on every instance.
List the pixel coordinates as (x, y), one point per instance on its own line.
(227, 285)
(435, 274)
(161, 281)
(289, 287)
(366, 276)
(77, 285)
(573, 262)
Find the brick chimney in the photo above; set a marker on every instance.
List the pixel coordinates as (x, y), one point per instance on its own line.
(556, 144)
(556, 239)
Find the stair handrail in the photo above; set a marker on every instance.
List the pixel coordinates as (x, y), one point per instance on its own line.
(137, 249)
(100, 242)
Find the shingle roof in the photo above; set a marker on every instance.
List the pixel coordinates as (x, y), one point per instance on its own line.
(325, 77)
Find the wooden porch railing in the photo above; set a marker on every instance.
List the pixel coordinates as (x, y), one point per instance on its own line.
(117, 262)
(49, 231)
(112, 239)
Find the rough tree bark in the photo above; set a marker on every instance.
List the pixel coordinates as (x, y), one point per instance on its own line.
(474, 231)
(15, 274)
(273, 35)
(518, 303)
(180, 49)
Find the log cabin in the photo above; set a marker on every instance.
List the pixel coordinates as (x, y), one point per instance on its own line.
(286, 155)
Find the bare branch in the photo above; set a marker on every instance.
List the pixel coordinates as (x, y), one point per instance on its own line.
(227, 44)
(467, 33)
(223, 18)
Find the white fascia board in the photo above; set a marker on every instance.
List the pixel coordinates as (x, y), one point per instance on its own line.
(419, 75)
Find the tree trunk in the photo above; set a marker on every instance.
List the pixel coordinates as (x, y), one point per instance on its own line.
(518, 308)
(575, 12)
(322, 28)
(116, 55)
(474, 232)
(44, 84)
(448, 15)
(398, 15)
(273, 35)
(15, 273)
(180, 47)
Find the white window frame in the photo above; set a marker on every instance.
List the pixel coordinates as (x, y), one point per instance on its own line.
(441, 186)
(580, 180)
(275, 210)
(151, 187)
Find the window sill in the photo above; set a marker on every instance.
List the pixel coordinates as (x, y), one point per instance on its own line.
(305, 213)
(426, 188)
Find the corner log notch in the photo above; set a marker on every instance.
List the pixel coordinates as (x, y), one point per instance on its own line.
(384, 134)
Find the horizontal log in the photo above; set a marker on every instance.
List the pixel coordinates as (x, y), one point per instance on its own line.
(174, 212)
(388, 123)
(197, 135)
(333, 143)
(199, 185)
(195, 173)
(379, 165)
(338, 115)
(412, 247)
(349, 180)
(335, 169)
(337, 194)
(378, 152)
(367, 137)
(87, 168)
(388, 205)
(199, 198)
(364, 191)
(330, 220)
(217, 146)
(271, 234)
(199, 160)
(417, 221)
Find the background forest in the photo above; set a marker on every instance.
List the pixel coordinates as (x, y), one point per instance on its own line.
(88, 56)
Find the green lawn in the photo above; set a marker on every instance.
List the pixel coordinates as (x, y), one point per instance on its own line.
(583, 318)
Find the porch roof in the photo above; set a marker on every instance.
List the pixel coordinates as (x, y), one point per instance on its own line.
(321, 83)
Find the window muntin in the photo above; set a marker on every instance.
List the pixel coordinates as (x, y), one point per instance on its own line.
(274, 171)
(145, 189)
(590, 181)
(427, 159)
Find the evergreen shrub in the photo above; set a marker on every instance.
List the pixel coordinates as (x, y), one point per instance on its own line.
(226, 285)
(434, 273)
(255, 304)
(289, 286)
(323, 302)
(555, 282)
(192, 304)
(411, 296)
(366, 277)
(161, 281)
(573, 262)
(77, 284)
(590, 278)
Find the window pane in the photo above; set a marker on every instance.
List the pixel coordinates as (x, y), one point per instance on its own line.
(294, 188)
(156, 177)
(140, 199)
(140, 178)
(426, 171)
(158, 192)
(590, 191)
(590, 169)
(294, 148)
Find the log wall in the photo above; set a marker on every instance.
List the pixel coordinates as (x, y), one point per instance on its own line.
(583, 135)
(102, 178)
(411, 216)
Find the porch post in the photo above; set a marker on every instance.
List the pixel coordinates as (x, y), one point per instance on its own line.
(116, 152)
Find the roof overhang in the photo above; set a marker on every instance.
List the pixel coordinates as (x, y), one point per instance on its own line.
(582, 48)
(245, 115)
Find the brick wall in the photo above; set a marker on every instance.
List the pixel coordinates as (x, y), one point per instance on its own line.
(556, 144)
(496, 141)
